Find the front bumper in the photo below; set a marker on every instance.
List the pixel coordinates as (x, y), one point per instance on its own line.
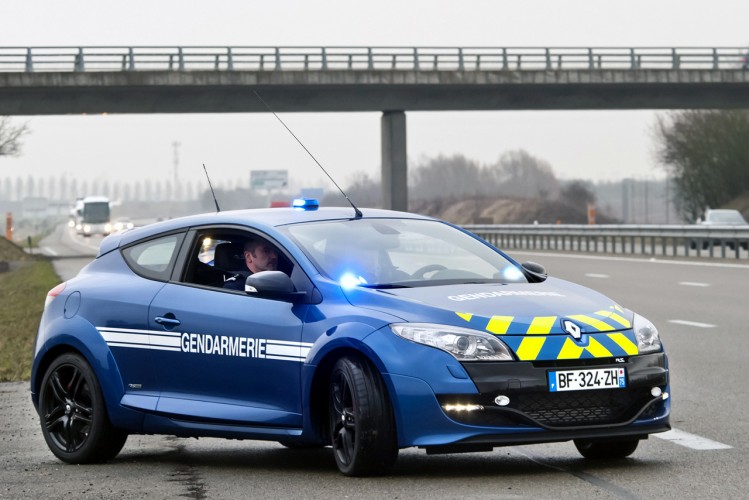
(525, 385)
(534, 415)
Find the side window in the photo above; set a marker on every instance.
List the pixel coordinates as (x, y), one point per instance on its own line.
(217, 257)
(153, 258)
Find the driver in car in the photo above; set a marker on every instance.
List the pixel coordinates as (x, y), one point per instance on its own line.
(258, 256)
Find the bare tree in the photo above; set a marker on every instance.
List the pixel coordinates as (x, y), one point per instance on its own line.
(521, 175)
(10, 137)
(707, 154)
(578, 192)
(446, 177)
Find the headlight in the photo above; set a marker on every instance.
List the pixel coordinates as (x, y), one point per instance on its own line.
(86, 228)
(108, 228)
(462, 343)
(648, 339)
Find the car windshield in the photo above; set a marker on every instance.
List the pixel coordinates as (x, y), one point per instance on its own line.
(400, 253)
(96, 212)
(726, 217)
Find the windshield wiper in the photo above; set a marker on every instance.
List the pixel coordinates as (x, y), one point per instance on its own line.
(385, 286)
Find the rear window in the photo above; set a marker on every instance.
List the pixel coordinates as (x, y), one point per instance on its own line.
(154, 258)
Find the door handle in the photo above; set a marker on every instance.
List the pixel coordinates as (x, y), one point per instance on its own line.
(168, 322)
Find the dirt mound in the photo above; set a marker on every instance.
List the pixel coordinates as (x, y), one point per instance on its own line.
(9, 251)
(506, 211)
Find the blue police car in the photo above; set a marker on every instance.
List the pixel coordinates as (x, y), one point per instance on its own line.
(370, 332)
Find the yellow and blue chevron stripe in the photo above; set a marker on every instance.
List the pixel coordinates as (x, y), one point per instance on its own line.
(608, 333)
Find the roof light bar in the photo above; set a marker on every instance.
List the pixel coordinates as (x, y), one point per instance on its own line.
(307, 204)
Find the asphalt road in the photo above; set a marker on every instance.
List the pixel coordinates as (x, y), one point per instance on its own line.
(699, 308)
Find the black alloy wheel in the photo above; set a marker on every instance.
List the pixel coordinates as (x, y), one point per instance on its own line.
(73, 416)
(361, 420)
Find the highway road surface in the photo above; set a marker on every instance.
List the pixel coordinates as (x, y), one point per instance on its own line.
(699, 307)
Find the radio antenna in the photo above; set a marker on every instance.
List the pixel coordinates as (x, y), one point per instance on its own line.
(357, 212)
(211, 186)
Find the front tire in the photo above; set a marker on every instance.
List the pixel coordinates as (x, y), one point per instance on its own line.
(361, 420)
(606, 449)
(73, 414)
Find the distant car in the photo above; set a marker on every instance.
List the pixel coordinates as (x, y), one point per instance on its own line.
(721, 217)
(122, 223)
(376, 331)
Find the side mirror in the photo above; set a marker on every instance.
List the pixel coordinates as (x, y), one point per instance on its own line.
(272, 285)
(536, 272)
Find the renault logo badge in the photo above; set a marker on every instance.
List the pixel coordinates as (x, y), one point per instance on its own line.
(572, 329)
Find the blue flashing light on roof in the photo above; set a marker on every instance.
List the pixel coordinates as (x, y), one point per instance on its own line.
(308, 204)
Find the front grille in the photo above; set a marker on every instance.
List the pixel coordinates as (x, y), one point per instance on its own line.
(556, 409)
(578, 408)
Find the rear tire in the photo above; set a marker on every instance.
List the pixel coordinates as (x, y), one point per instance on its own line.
(606, 449)
(362, 427)
(73, 414)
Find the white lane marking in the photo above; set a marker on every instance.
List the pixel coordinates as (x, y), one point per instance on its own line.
(691, 440)
(49, 251)
(690, 323)
(594, 275)
(693, 283)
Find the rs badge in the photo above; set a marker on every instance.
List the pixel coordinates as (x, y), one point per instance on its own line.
(572, 329)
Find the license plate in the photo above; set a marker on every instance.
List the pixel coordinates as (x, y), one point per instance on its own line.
(584, 380)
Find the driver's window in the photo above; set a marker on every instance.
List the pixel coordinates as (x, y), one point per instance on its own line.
(218, 258)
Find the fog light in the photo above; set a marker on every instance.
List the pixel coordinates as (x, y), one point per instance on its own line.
(656, 392)
(459, 407)
(502, 400)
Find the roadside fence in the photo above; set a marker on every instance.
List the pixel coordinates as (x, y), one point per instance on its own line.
(654, 240)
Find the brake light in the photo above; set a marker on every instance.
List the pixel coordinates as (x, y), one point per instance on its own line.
(54, 293)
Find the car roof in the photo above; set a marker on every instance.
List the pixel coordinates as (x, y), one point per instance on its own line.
(263, 219)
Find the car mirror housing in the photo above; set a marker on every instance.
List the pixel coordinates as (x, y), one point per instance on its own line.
(272, 284)
(536, 271)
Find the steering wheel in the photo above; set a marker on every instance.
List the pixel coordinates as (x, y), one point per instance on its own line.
(420, 272)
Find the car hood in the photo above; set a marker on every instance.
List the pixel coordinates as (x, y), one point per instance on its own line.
(539, 312)
(512, 309)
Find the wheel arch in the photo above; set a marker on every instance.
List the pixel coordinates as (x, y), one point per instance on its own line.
(45, 361)
(88, 343)
(316, 418)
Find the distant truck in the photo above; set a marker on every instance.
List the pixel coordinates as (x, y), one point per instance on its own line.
(92, 216)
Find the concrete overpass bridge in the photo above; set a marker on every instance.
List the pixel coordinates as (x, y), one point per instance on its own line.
(391, 80)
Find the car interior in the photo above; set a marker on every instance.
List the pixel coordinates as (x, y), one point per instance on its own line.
(217, 257)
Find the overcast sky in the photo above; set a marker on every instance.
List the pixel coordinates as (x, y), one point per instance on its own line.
(593, 145)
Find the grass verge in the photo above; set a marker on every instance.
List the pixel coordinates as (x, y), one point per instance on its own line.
(22, 294)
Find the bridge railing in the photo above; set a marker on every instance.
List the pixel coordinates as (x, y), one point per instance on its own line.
(141, 58)
(652, 240)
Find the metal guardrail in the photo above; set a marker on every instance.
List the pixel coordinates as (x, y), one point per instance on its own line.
(211, 58)
(652, 240)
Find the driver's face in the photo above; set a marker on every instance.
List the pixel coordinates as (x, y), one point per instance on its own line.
(263, 258)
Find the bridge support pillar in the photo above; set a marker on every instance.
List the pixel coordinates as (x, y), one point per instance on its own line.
(394, 167)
